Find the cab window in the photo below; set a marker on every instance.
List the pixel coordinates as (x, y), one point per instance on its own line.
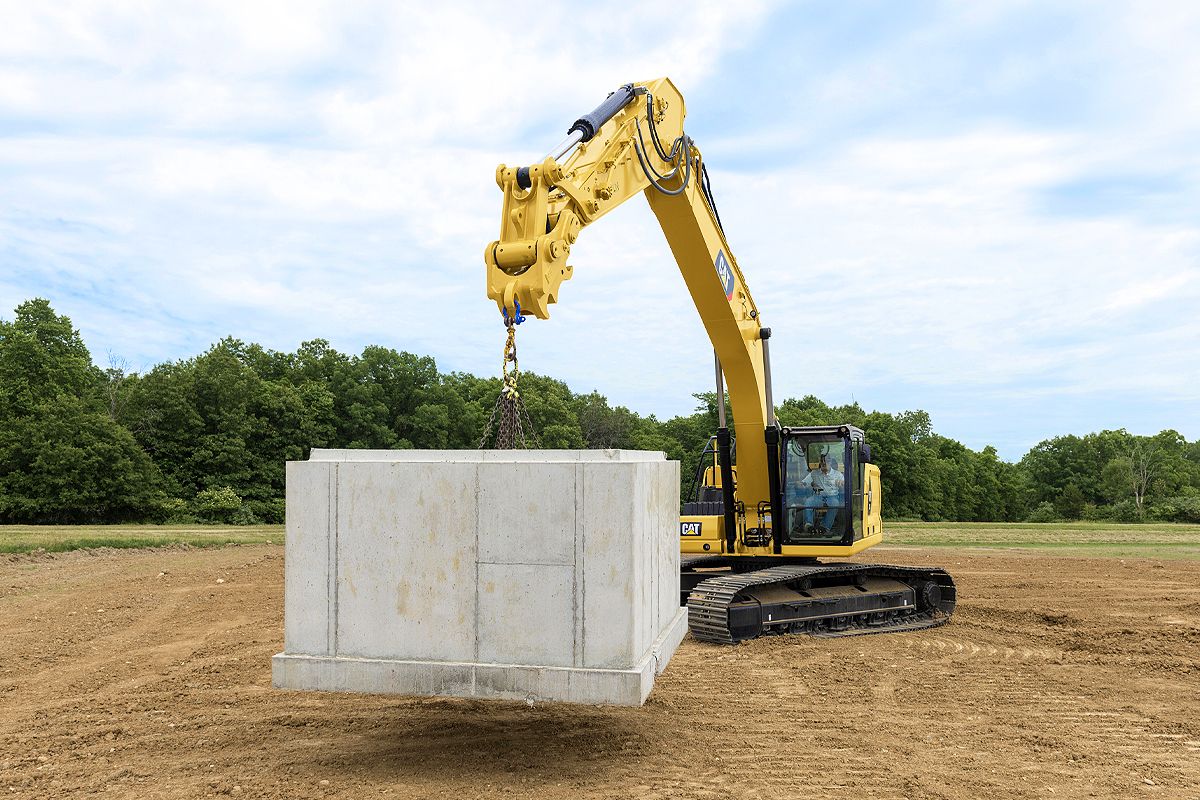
(814, 492)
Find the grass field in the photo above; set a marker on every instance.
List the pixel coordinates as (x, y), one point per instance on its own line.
(1162, 540)
(1074, 538)
(60, 538)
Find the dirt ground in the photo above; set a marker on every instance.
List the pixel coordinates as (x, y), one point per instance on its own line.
(147, 674)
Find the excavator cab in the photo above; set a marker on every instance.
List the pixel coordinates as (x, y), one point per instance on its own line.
(829, 492)
(823, 476)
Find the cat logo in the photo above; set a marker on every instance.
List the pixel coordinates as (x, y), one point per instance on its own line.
(725, 273)
(689, 528)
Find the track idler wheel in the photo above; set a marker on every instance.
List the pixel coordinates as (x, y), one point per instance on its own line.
(929, 595)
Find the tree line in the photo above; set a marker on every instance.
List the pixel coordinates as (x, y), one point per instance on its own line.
(205, 439)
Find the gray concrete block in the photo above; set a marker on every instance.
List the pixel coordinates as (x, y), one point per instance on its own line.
(517, 682)
(513, 525)
(526, 614)
(306, 589)
(611, 568)
(405, 571)
(628, 687)
(544, 575)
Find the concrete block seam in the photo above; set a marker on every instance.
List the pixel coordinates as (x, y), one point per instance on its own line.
(580, 587)
(478, 524)
(331, 543)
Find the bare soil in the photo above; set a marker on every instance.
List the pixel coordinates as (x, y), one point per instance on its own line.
(147, 674)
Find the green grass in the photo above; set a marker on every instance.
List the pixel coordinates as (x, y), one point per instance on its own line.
(1098, 539)
(1065, 538)
(60, 538)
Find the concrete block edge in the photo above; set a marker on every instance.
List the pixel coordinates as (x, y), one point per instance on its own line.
(668, 641)
(320, 455)
(589, 686)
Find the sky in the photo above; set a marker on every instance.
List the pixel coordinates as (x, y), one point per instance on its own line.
(986, 210)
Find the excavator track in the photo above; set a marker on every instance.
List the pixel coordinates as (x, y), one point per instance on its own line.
(829, 599)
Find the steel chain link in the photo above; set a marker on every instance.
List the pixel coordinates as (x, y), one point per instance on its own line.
(510, 420)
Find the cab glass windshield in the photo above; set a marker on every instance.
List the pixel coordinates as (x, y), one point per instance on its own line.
(814, 490)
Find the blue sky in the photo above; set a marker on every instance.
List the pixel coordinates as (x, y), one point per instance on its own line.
(990, 211)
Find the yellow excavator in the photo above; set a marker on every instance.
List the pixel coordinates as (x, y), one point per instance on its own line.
(767, 501)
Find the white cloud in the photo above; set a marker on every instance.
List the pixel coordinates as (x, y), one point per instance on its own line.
(940, 240)
(280, 172)
(292, 170)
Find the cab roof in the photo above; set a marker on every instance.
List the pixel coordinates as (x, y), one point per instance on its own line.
(842, 431)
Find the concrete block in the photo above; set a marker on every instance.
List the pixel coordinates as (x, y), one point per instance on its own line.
(405, 575)
(308, 554)
(506, 535)
(526, 614)
(545, 575)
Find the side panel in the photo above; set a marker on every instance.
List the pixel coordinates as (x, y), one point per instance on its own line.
(832, 551)
(701, 535)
